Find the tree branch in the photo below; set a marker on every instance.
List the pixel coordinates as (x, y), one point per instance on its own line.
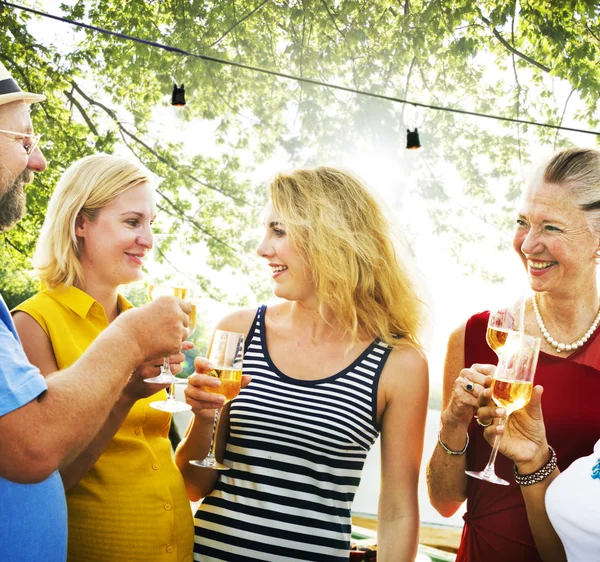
(512, 49)
(179, 212)
(592, 33)
(410, 69)
(158, 156)
(9, 242)
(562, 117)
(84, 114)
(239, 22)
(514, 64)
(345, 41)
(191, 220)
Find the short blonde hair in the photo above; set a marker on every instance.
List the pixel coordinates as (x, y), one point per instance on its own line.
(87, 186)
(578, 170)
(346, 241)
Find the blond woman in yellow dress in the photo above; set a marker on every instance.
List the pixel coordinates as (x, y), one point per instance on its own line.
(126, 498)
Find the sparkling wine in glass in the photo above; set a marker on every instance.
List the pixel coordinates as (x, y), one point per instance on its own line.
(511, 388)
(165, 279)
(226, 353)
(501, 322)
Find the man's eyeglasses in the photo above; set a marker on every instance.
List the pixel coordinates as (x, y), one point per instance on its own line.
(29, 141)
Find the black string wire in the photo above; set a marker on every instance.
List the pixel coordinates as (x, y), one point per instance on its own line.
(209, 58)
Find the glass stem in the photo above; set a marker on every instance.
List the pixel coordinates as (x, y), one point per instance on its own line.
(166, 366)
(491, 462)
(213, 440)
(171, 392)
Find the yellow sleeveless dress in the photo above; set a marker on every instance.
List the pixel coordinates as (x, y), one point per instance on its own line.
(132, 504)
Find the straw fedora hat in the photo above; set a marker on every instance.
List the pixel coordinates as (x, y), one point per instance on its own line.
(10, 91)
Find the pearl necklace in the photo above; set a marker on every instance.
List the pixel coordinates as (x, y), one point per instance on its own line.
(562, 346)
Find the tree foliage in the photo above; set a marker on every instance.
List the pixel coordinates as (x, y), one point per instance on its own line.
(505, 58)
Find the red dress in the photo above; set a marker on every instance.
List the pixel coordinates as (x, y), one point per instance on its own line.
(496, 527)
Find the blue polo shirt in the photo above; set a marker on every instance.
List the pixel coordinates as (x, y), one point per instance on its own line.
(33, 517)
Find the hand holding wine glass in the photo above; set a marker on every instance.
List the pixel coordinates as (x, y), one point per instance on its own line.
(226, 355)
(136, 388)
(511, 387)
(523, 434)
(202, 400)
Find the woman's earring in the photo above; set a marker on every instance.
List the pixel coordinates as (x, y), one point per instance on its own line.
(597, 258)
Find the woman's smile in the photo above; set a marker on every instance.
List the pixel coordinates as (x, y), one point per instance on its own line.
(277, 269)
(538, 268)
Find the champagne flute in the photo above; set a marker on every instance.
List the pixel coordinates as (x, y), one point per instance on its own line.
(226, 353)
(501, 322)
(511, 388)
(194, 298)
(165, 279)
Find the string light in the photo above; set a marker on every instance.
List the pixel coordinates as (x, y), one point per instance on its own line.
(178, 97)
(296, 78)
(412, 139)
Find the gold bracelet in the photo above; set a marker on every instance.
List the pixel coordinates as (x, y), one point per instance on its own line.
(450, 451)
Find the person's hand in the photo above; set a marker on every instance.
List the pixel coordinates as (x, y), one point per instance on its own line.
(202, 401)
(156, 329)
(136, 388)
(523, 433)
(468, 387)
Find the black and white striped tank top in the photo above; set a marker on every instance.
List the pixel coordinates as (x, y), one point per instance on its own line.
(296, 450)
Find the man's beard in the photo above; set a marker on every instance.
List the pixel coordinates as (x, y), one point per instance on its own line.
(12, 203)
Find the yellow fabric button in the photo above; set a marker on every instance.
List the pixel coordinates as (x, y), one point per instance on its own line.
(155, 466)
(167, 506)
(169, 548)
(138, 431)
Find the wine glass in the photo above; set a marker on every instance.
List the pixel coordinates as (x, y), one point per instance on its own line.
(502, 321)
(226, 353)
(165, 279)
(194, 298)
(512, 386)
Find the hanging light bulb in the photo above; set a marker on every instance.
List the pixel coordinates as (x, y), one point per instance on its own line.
(412, 139)
(178, 97)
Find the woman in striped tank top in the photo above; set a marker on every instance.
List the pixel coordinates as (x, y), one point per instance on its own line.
(332, 365)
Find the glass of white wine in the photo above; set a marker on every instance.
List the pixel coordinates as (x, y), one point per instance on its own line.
(502, 321)
(226, 353)
(165, 279)
(511, 388)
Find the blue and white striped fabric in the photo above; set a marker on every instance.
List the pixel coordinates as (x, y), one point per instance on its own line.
(296, 451)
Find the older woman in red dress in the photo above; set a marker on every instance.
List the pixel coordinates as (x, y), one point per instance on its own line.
(558, 239)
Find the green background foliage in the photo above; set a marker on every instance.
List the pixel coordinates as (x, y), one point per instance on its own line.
(103, 92)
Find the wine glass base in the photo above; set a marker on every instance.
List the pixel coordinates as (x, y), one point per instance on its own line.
(487, 477)
(171, 406)
(165, 379)
(210, 463)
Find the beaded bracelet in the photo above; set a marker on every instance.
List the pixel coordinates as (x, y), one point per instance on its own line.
(538, 475)
(450, 451)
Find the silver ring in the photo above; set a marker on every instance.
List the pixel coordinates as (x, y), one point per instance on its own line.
(482, 424)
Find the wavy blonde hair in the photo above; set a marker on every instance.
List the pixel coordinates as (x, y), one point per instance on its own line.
(346, 241)
(87, 186)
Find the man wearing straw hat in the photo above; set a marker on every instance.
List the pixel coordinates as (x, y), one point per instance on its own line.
(45, 422)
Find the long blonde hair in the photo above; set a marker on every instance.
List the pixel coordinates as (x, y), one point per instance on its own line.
(87, 186)
(343, 236)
